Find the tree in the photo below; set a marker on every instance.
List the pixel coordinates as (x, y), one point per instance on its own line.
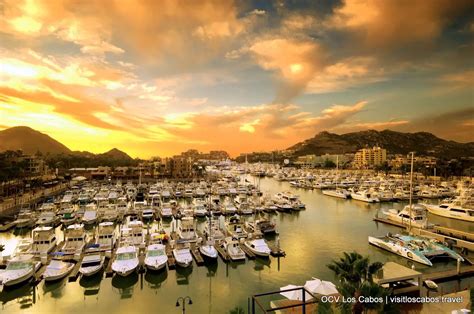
(329, 164)
(355, 275)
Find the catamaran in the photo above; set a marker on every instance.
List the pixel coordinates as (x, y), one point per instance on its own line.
(417, 249)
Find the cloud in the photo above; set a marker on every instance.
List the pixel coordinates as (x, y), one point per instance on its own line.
(395, 23)
(296, 62)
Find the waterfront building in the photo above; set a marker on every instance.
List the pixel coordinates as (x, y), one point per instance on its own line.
(370, 157)
(313, 161)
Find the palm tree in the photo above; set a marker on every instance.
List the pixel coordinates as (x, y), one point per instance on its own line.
(355, 275)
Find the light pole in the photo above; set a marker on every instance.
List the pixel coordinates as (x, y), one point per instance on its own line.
(183, 302)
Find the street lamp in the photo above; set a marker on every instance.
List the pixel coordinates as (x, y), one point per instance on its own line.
(183, 302)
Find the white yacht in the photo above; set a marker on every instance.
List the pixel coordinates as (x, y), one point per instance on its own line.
(44, 240)
(47, 218)
(90, 216)
(258, 247)
(364, 196)
(133, 233)
(126, 260)
(155, 256)
(340, 193)
(183, 256)
(186, 230)
(232, 247)
(417, 217)
(235, 228)
(57, 270)
(417, 249)
(91, 264)
(106, 236)
(19, 270)
(25, 219)
(166, 211)
(454, 210)
(74, 240)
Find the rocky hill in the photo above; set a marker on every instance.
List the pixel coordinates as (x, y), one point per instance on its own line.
(422, 143)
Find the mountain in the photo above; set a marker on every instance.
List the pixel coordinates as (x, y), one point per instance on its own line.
(115, 153)
(30, 141)
(423, 143)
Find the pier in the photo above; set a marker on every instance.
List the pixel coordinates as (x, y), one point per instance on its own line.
(197, 255)
(464, 271)
(74, 274)
(225, 257)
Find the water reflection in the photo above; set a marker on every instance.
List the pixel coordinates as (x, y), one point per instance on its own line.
(125, 285)
(154, 279)
(182, 275)
(260, 263)
(25, 295)
(55, 288)
(91, 284)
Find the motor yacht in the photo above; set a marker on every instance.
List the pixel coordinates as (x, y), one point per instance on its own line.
(74, 239)
(455, 210)
(232, 247)
(19, 269)
(126, 260)
(235, 228)
(339, 193)
(44, 240)
(91, 264)
(106, 236)
(258, 246)
(155, 256)
(186, 229)
(364, 196)
(415, 217)
(25, 219)
(57, 270)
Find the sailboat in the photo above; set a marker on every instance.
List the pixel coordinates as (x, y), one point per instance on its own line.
(207, 249)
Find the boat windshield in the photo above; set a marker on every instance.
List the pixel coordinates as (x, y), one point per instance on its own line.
(125, 256)
(90, 264)
(154, 253)
(18, 265)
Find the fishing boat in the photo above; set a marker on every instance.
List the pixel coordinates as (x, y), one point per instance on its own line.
(182, 256)
(106, 236)
(19, 270)
(133, 233)
(235, 228)
(166, 210)
(258, 246)
(68, 216)
(57, 270)
(155, 256)
(232, 247)
(416, 216)
(186, 231)
(126, 260)
(417, 249)
(90, 216)
(262, 225)
(91, 264)
(75, 239)
(44, 240)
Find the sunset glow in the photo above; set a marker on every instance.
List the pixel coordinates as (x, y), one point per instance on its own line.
(159, 77)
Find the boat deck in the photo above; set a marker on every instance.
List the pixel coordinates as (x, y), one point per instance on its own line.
(250, 254)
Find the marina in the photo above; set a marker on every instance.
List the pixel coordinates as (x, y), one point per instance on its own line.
(280, 262)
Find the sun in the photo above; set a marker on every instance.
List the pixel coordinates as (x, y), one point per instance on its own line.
(296, 68)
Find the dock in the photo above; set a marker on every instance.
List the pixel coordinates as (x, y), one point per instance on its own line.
(225, 257)
(390, 222)
(250, 254)
(467, 236)
(74, 274)
(197, 255)
(39, 275)
(171, 260)
(464, 271)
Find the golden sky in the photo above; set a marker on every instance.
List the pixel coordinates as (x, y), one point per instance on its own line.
(159, 77)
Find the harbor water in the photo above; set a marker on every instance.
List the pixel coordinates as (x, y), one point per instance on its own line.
(311, 238)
